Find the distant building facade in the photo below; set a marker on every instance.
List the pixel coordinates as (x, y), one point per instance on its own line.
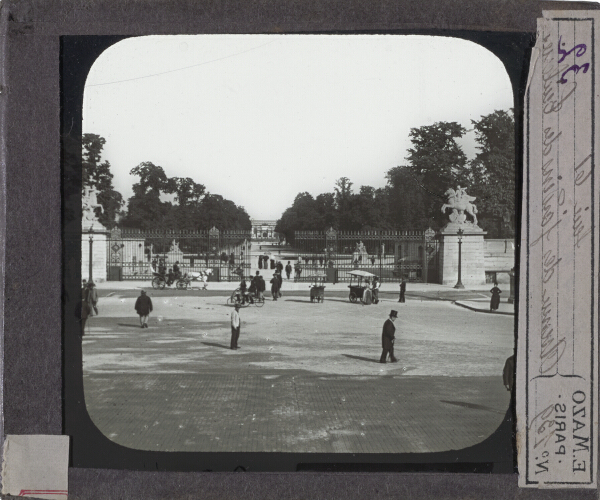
(264, 229)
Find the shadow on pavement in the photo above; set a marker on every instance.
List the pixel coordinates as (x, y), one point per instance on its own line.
(472, 406)
(129, 324)
(214, 344)
(326, 299)
(361, 358)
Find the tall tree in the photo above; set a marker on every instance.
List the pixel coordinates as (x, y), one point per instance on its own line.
(406, 200)
(302, 215)
(186, 211)
(191, 208)
(96, 173)
(216, 211)
(438, 161)
(325, 207)
(343, 200)
(368, 210)
(145, 209)
(492, 174)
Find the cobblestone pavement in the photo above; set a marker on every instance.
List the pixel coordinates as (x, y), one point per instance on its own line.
(305, 379)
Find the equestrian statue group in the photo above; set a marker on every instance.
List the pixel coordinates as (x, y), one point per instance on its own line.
(460, 202)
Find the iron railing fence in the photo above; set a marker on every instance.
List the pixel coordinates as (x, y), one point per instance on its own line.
(390, 255)
(136, 254)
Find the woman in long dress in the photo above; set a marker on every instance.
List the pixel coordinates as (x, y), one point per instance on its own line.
(367, 294)
(495, 300)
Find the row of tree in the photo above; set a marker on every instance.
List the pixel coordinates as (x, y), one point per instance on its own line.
(192, 206)
(415, 192)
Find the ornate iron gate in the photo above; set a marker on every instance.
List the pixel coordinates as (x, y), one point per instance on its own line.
(390, 255)
(135, 254)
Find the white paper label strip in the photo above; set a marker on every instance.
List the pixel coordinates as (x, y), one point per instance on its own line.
(557, 360)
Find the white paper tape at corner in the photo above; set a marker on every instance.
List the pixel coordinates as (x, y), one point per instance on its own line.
(36, 466)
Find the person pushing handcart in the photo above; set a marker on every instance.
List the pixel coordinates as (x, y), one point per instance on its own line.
(358, 284)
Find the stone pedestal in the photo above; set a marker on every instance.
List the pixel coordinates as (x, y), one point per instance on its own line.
(473, 268)
(99, 253)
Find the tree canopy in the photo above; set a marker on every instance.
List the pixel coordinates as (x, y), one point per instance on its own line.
(97, 174)
(178, 203)
(415, 191)
(158, 201)
(437, 160)
(492, 173)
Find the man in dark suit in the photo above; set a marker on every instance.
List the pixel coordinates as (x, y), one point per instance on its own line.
(275, 286)
(387, 338)
(402, 299)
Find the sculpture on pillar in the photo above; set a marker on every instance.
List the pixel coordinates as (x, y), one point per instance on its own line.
(360, 253)
(89, 202)
(174, 247)
(460, 202)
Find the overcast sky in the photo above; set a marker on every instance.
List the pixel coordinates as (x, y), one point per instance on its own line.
(260, 118)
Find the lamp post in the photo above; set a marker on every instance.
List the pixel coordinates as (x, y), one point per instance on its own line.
(91, 245)
(459, 284)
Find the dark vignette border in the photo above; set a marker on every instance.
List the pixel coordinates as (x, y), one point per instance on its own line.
(91, 449)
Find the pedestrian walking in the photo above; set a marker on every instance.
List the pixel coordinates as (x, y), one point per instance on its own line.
(508, 374)
(79, 308)
(143, 306)
(176, 271)
(93, 298)
(288, 269)
(280, 278)
(402, 299)
(275, 286)
(89, 304)
(254, 282)
(235, 326)
(387, 338)
(279, 267)
(244, 291)
(261, 287)
(367, 298)
(376, 285)
(495, 300)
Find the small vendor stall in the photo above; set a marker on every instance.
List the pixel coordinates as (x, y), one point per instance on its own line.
(317, 288)
(357, 288)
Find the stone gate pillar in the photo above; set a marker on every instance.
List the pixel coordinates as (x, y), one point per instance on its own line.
(214, 247)
(331, 247)
(93, 239)
(472, 264)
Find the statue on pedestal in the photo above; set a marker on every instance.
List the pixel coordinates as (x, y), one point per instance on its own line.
(89, 202)
(360, 253)
(174, 247)
(460, 202)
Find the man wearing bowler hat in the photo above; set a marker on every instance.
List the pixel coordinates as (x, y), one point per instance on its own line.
(387, 338)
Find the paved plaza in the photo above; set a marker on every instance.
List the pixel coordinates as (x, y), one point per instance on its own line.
(305, 379)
